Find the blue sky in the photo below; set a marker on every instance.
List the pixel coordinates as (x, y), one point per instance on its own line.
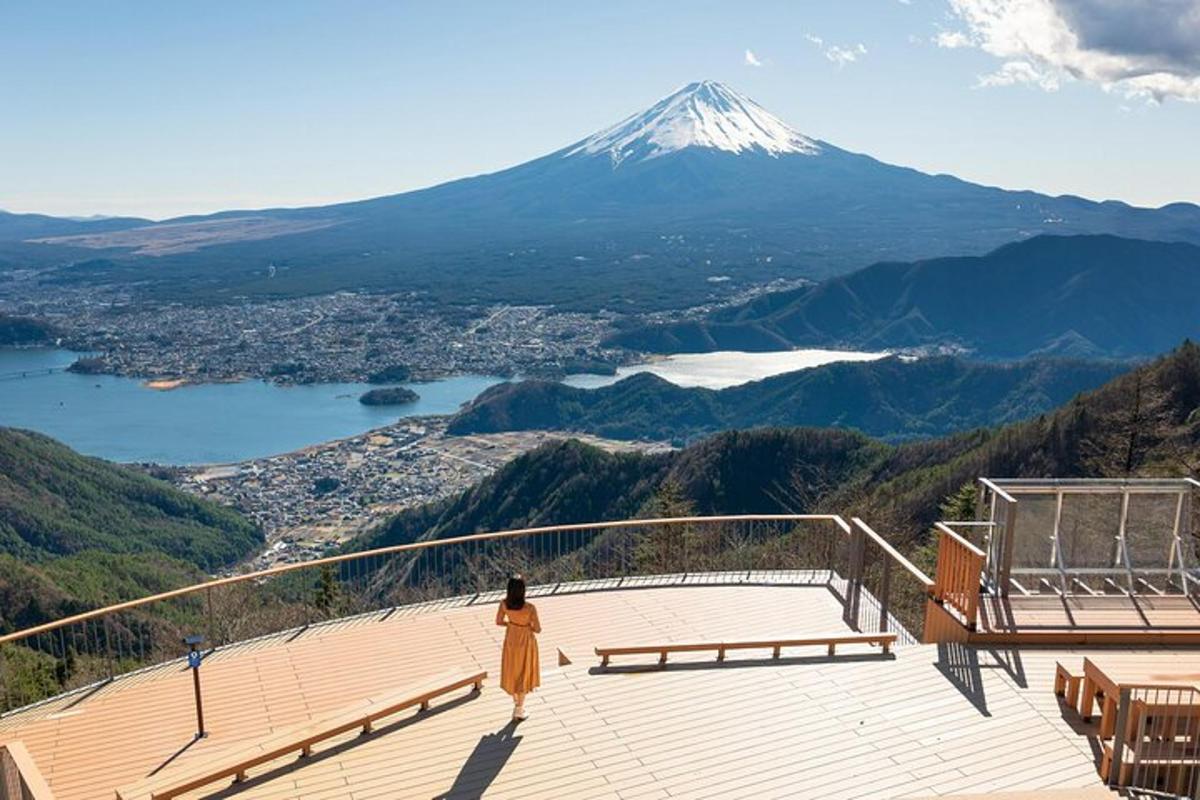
(163, 108)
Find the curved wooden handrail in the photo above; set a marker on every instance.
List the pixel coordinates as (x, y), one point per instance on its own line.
(411, 547)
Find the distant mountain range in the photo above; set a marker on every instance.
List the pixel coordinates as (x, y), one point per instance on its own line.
(703, 193)
(891, 399)
(1079, 296)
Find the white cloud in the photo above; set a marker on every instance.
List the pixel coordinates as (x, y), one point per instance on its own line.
(1140, 48)
(837, 54)
(1014, 72)
(752, 60)
(952, 39)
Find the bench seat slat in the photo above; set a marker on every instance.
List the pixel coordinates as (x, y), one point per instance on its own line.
(830, 640)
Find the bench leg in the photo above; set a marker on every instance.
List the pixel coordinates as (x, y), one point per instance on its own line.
(662, 659)
(832, 647)
(1088, 700)
(776, 653)
(721, 654)
(424, 705)
(603, 662)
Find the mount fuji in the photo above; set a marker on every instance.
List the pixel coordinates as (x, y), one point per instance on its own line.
(697, 197)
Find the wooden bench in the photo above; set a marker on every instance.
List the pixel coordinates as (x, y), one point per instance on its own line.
(830, 640)
(235, 761)
(1066, 684)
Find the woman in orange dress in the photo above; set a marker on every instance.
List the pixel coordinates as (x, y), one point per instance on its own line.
(520, 672)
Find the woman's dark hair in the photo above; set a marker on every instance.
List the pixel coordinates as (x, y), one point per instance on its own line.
(515, 599)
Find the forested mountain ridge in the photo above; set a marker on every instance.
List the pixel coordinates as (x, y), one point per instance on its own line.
(1077, 296)
(893, 399)
(1143, 423)
(76, 532)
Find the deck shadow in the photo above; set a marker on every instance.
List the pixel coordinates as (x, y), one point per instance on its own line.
(299, 763)
(959, 663)
(741, 663)
(484, 764)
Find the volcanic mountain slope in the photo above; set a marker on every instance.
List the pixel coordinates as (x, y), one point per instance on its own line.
(1078, 296)
(704, 191)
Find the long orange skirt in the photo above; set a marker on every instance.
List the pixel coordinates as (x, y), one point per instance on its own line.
(520, 670)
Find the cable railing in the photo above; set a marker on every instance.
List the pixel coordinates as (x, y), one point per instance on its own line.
(879, 589)
(882, 590)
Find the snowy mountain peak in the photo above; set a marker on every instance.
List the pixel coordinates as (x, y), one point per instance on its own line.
(705, 114)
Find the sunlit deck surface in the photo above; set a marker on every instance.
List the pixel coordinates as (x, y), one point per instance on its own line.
(1086, 619)
(928, 721)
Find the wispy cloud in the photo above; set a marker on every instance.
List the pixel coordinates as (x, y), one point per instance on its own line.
(751, 59)
(836, 53)
(1015, 72)
(952, 39)
(1139, 48)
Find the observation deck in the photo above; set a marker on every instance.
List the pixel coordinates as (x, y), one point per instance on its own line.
(937, 716)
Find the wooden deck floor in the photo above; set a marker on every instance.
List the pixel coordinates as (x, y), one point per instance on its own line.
(1081, 619)
(929, 721)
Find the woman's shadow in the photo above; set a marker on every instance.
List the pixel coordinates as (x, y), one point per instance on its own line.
(484, 764)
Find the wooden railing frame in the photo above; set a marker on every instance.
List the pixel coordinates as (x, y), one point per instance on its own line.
(1112, 765)
(960, 566)
(18, 769)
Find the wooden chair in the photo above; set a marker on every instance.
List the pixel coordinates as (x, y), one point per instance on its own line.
(1066, 684)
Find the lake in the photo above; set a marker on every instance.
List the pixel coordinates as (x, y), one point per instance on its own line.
(121, 420)
(724, 368)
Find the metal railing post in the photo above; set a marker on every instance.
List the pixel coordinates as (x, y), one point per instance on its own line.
(108, 646)
(885, 593)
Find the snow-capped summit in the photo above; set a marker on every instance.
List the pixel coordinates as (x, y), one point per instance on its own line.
(705, 114)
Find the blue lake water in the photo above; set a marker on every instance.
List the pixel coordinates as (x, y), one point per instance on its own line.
(120, 419)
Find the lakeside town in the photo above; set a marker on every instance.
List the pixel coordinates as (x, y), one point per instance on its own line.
(343, 337)
(310, 501)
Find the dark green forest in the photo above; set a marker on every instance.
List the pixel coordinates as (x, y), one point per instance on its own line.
(77, 532)
(893, 399)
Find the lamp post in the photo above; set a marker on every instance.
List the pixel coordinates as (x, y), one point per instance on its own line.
(194, 658)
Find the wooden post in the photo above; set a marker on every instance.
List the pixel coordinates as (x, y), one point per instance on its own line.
(1113, 778)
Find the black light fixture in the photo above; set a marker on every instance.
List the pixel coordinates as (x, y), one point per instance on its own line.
(194, 657)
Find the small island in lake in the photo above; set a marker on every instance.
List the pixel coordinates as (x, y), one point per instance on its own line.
(391, 396)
